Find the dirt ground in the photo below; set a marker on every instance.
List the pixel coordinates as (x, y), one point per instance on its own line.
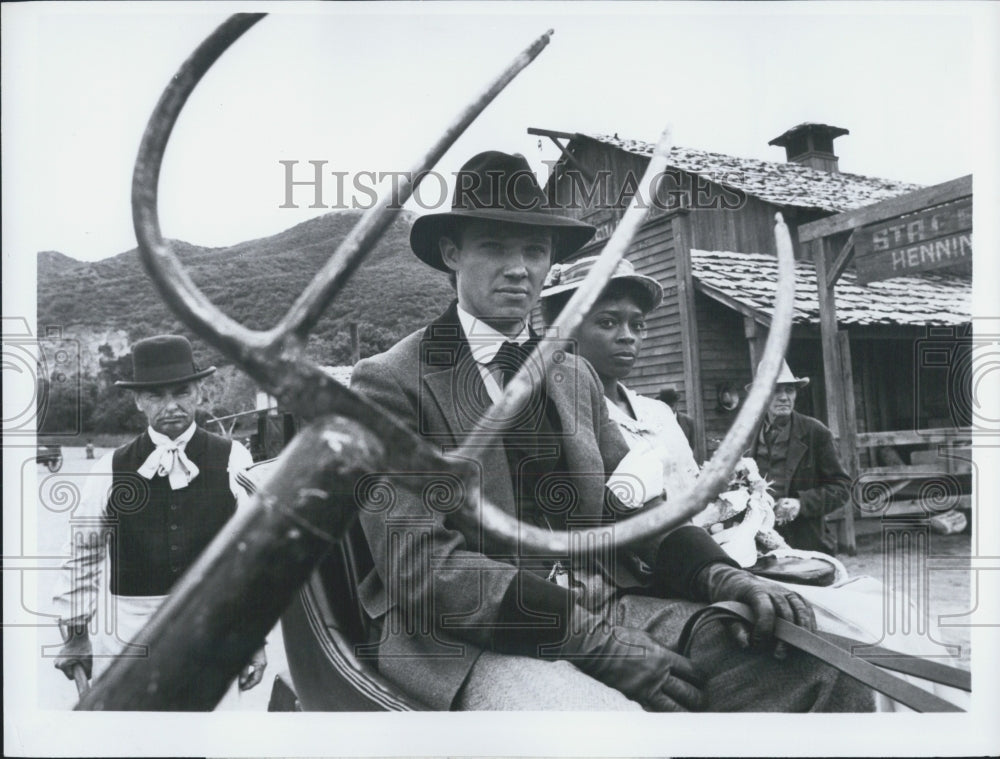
(949, 591)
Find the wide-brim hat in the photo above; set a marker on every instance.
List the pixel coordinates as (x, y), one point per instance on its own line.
(785, 377)
(570, 276)
(495, 186)
(163, 360)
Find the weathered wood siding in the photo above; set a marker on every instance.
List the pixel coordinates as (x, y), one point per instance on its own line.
(724, 357)
(599, 197)
(747, 229)
(661, 362)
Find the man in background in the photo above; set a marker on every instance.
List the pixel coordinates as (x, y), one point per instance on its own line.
(670, 396)
(152, 505)
(796, 453)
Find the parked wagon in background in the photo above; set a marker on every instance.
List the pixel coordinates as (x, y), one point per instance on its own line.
(50, 455)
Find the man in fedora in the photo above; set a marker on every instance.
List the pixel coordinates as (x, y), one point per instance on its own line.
(796, 453)
(152, 506)
(670, 396)
(461, 623)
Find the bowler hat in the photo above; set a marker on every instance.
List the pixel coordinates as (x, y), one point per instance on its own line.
(571, 275)
(785, 377)
(495, 186)
(163, 360)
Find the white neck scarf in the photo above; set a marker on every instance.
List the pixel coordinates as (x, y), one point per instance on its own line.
(168, 459)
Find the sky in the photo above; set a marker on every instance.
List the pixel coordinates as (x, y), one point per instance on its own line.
(369, 87)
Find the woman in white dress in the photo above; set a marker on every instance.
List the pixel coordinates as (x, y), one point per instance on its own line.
(610, 338)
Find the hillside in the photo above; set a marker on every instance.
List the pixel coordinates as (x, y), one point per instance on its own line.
(254, 282)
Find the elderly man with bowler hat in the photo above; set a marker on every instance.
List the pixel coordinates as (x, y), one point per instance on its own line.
(152, 506)
(796, 453)
(461, 623)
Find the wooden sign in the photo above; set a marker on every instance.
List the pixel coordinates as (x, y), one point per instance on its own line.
(921, 241)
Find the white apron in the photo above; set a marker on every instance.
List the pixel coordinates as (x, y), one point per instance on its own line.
(128, 615)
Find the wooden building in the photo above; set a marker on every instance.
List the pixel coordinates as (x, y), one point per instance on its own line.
(709, 240)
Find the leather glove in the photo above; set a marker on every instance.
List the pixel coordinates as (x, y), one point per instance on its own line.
(767, 600)
(76, 649)
(634, 663)
(253, 672)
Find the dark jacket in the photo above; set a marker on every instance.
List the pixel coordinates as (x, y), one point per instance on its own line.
(686, 423)
(816, 478)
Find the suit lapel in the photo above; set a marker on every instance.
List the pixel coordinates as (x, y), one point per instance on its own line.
(562, 396)
(451, 377)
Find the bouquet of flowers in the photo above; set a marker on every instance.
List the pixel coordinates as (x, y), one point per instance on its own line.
(741, 519)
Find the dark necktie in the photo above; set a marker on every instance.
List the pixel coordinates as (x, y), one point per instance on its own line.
(531, 442)
(508, 360)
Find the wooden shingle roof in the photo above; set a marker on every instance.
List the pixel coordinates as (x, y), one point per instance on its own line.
(747, 282)
(788, 184)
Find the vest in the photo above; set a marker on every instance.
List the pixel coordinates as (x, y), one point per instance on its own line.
(771, 455)
(159, 532)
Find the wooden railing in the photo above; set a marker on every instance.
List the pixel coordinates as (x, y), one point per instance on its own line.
(929, 484)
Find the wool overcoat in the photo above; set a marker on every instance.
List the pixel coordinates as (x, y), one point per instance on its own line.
(814, 476)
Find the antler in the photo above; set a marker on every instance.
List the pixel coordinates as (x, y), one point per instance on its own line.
(263, 554)
(250, 570)
(274, 357)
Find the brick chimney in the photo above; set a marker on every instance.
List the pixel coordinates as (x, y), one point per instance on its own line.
(811, 145)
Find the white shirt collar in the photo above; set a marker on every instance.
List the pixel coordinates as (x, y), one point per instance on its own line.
(484, 341)
(621, 417)
(159, 439)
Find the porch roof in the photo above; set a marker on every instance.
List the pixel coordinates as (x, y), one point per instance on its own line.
(746, 282)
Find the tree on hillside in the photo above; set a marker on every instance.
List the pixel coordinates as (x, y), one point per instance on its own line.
(228, 391)
(114, 409)
(63, 404)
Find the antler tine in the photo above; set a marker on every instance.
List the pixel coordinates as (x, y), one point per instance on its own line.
(307, 309)
(590, 290)
(504, 527)
(273, 357)
(259, 352)
(157, 256)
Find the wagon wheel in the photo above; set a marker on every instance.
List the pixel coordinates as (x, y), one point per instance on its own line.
(250, 572)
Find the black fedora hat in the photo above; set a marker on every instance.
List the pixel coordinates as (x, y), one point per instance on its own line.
(497, 186)
(163, 360)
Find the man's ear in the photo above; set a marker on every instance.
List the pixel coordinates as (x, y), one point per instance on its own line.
(449, 252)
